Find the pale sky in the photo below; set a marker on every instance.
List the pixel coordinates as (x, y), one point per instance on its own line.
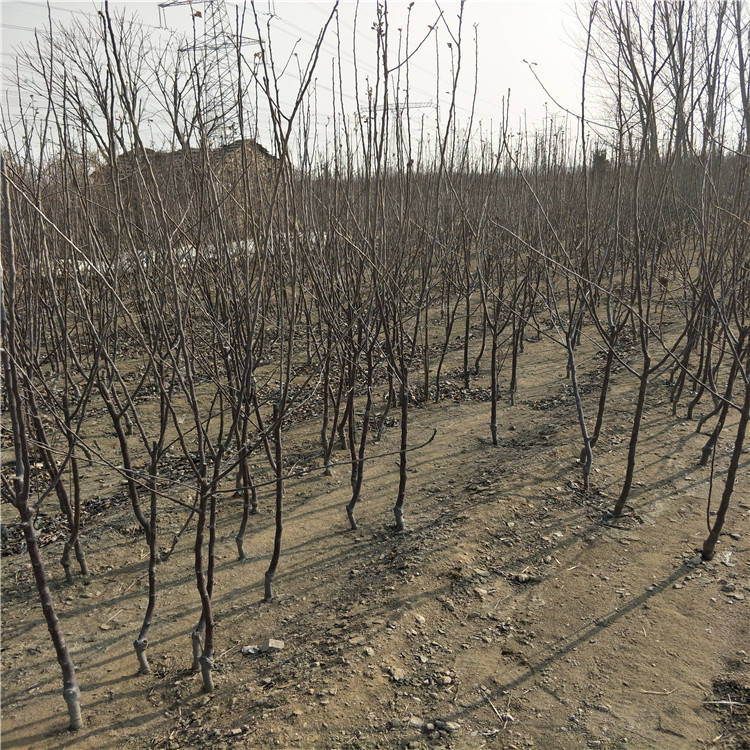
(543, 33)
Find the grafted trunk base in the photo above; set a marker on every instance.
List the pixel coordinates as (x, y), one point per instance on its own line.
(65, 562)
(73, 701)
(350, 514)
(399, 515)
(197, 650)
(206, 666)
(140, 645)
(240, 547)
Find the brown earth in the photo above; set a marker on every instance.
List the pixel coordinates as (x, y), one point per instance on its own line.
(510, 614)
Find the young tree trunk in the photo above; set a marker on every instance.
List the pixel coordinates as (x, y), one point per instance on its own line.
(328, 443)
(271, 572)
(450, 312)
(71, 693)
(705, 375)
(467, 333)
(340, 427)
(708, 448)
(634, 434)
(723, 410)
(22, 481)
(73, 541)
(682, 369)
(426, 353)
(594, 439)
(478, 359)
(55, 475)
(494, 388)
(398, 508)
(516, 340)
(709, 546)
(204, 656)
(249, 495)
(386, 409)
(141, 642)
(358, 463)
(586, 450)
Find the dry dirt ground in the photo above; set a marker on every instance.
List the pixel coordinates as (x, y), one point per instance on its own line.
(510, 614)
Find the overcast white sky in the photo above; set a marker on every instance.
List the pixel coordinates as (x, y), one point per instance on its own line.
(508, 33)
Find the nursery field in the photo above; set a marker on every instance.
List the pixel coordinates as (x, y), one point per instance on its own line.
(336, 419)
(511, 612)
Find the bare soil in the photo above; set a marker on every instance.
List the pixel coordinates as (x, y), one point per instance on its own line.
(511, 614)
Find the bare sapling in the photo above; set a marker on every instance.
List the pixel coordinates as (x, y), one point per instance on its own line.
(246, 489)
(203, 636)
(722, 409)
(358, 450)
(565, 278)
(398, 508)
(17, 491)
(61, 398)
(450, 301)
(141, 642)
(332, 401)
(469, 279)
(498, 312)
(714, 530)
(55, 473)
(278, 467)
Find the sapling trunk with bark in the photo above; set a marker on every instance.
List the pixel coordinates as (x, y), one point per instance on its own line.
(203, 655)
(634, 435)
(358, 451)
(722, 409)
(398, 508)
(55, 474)
(71, 693)
(604, 390)
(141, 642)
(586, 450)
(494, 389)
(247, 490)
(19, 492)
(709, 546)
(279, 506)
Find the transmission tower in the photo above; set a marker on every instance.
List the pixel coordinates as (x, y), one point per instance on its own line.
(217, 48)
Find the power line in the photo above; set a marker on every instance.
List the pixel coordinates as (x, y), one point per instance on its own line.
(44, 5)
(13, 27)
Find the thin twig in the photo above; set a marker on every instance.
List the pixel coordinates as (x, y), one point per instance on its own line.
(222, 655)
(485, 692)
(113, 617)
(504, 718)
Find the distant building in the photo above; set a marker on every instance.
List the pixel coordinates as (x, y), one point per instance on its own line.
(207, 195)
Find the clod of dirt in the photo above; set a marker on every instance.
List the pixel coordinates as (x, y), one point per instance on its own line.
(525, 578)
